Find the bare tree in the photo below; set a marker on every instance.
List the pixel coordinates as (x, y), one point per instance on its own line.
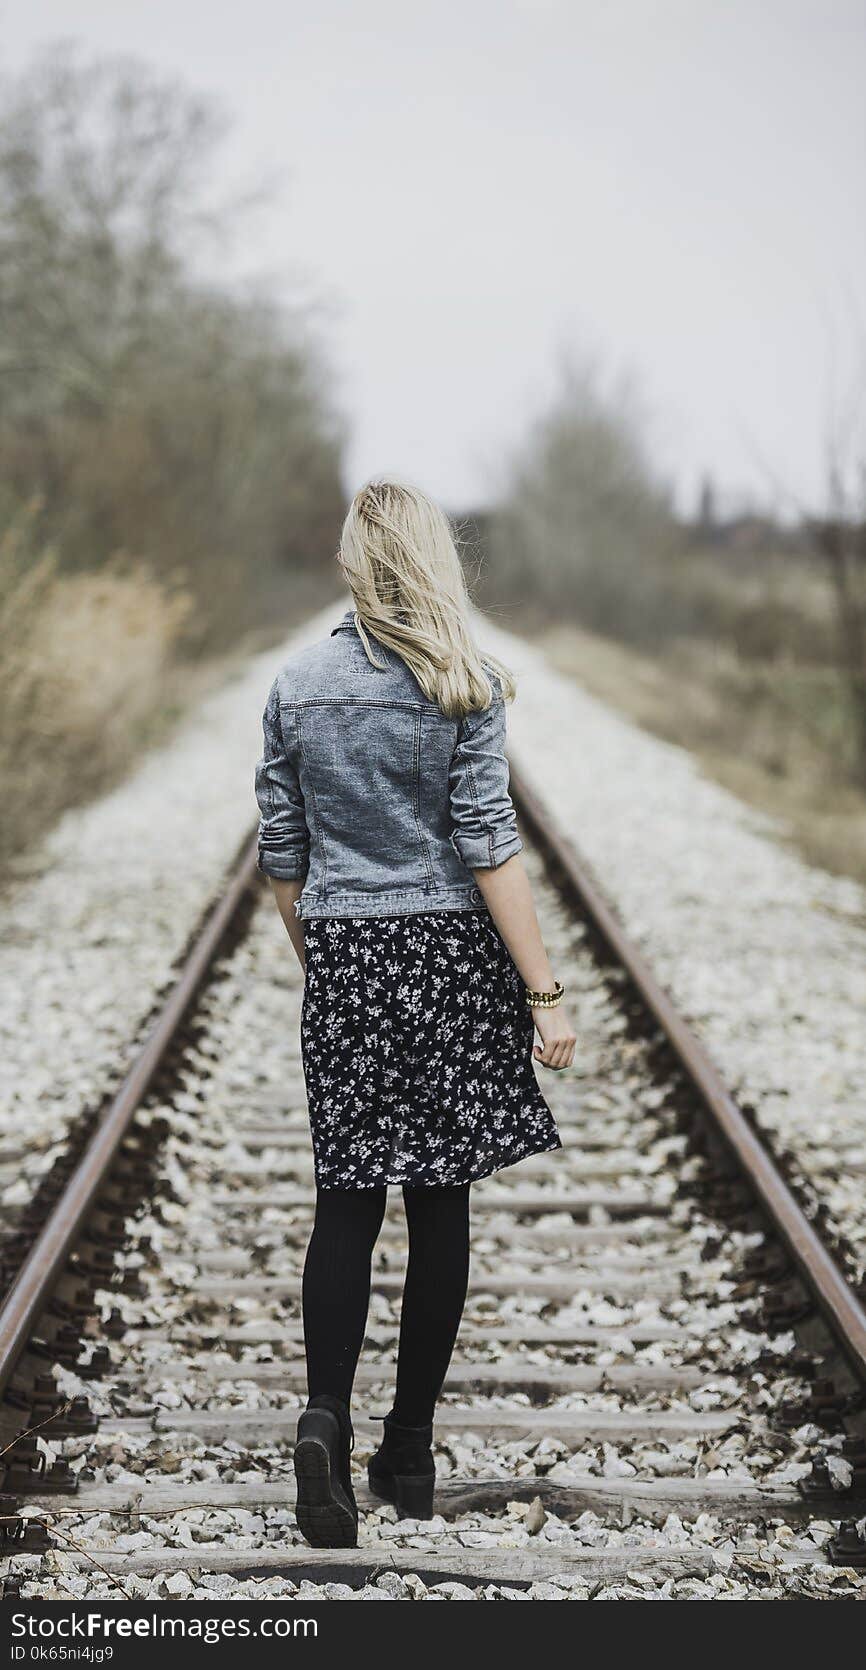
(841, 539)
(149, 412)
(102, 185)
(584, 519)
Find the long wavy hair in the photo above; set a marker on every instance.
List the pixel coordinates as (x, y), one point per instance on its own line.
(399, 557)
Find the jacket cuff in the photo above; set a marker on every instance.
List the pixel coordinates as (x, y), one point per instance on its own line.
(284, 866)
(486, 851)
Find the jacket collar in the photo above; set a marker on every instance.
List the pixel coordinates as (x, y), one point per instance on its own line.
(347, 624)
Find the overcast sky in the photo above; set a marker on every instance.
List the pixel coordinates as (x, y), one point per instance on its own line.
(676, 186)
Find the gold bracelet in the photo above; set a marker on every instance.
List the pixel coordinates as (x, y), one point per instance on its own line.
(546, 1000)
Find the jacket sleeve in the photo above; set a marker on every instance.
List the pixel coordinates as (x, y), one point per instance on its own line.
(485, 825)
(284, 839)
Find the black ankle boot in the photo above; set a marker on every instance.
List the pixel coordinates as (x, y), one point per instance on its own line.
(402, 1469)
(326, 1511)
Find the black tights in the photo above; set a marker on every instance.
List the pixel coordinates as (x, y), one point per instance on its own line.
(336, 1291)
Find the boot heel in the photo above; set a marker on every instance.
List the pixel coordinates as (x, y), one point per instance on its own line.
(413, 1495)
(325, 1505)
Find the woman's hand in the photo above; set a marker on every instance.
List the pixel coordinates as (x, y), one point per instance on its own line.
(558, 1037)
(286, 893)
(508, 897)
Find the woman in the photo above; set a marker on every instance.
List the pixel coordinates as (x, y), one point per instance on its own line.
(390, 839)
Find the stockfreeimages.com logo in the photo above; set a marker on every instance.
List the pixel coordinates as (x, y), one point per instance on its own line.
(56, 1640)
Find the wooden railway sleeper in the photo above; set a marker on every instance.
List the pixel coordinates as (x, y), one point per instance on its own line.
(131, 1178)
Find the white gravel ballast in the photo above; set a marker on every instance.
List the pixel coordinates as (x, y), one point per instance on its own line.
(763, 954)
(87, 945)
(663, 1381)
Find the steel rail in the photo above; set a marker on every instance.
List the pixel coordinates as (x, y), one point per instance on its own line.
(47, 1257)
(833, 1293)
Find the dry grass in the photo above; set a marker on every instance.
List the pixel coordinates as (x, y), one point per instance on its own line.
(84, 672)
(762, 731)
(103, 644)
(94, 669)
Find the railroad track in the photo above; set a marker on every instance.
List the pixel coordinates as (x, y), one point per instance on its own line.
(658, 1385)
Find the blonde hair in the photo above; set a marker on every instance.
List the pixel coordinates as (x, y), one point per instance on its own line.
(399, 557)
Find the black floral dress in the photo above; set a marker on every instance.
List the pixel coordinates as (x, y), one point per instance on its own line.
(417, 1049)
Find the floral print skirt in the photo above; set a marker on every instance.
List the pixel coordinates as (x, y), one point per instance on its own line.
(417, 1048)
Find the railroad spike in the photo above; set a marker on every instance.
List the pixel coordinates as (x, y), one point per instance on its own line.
(110, 1232)
(825, 1407)
(820, 1483)
(79, 1306)
(849, 1547)
(783, 1308)
(114, 1325)
(23, 1536)
(98, 1364)
(63, 1347)
(121, 1198)
(99, 1265)
(761, 1264)
(26, 1465)
(75, 1421)
(797, 1363)
(134, 1173)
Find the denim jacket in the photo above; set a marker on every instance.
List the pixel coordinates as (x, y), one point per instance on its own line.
(370, 794)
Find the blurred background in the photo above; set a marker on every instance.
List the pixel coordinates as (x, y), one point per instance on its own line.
(591, 274)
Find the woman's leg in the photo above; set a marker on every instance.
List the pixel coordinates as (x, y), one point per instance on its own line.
(434, 1294)
(336, 1288)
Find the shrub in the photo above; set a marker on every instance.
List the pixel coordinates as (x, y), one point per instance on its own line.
(83, 663)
